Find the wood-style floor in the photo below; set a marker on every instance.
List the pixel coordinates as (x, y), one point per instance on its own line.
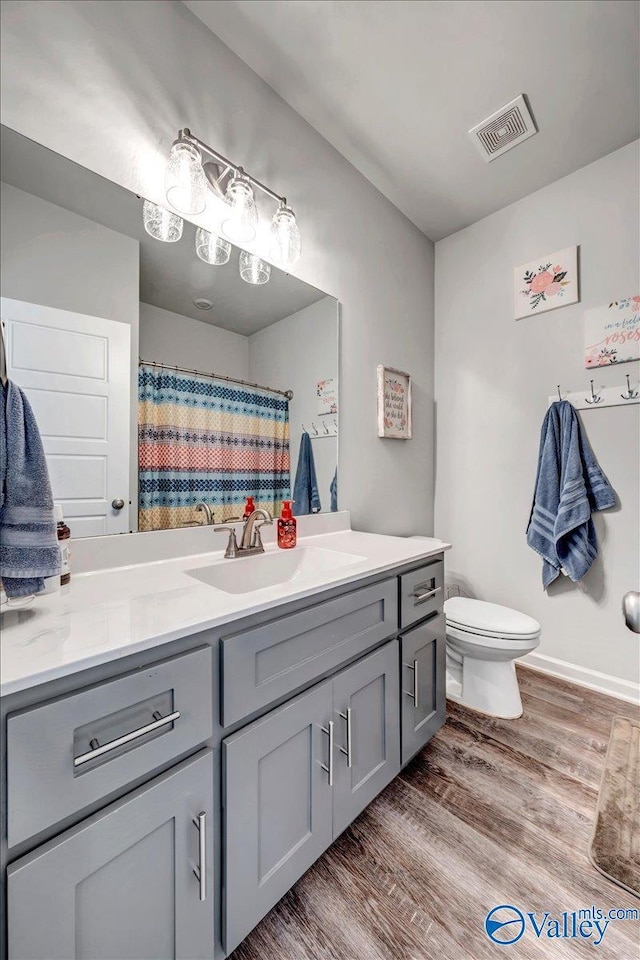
(490, 812)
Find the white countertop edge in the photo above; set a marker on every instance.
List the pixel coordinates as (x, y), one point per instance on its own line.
(81, 663)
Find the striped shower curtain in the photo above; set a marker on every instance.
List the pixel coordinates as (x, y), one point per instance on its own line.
(201, 439)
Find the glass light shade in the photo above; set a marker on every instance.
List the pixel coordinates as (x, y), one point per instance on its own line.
(285, 234)
(211, 248)
(185, 182)
(240, 221)
(253, 269)
(160, 223)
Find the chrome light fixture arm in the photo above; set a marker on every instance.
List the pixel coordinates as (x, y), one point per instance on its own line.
(228, 166)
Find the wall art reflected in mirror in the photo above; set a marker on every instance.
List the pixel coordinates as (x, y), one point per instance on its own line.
(171, 379)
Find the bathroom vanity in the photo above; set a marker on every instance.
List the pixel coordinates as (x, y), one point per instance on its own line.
(176, 754)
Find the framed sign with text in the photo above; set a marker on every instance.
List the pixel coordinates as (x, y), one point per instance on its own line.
(394, 403)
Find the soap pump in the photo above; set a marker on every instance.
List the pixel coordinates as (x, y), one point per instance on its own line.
(249, 507)
(287, 527)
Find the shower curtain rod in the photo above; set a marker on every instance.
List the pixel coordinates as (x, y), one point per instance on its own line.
(215, 376)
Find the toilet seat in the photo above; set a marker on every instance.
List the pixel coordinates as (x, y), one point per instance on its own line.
(490, 620)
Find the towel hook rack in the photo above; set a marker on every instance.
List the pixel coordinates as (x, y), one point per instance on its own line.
(630, 394)
(595, 398)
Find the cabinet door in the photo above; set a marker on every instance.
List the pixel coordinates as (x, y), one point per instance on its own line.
(277, 807)
(422, 683)
(121, 885)
(367, 724)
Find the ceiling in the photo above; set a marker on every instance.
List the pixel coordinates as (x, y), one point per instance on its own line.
(171, 275)
(395, 85)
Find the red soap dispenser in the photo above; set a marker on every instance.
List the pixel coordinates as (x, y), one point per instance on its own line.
(287, 527)
(249, 507)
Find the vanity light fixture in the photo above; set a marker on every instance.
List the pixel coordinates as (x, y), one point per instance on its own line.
(160, 223)
(196, 171)
(240, 221)
(285, 235)
(211, 248)
(185, 181)
(253, 269)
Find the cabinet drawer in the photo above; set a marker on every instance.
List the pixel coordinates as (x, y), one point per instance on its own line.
(421, 592)
(268, 662)
(69, 753)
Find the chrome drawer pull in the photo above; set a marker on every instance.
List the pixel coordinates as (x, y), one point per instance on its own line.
(421, 597)
(98, 751)
(329, 769)
(414, 695)
(347, 752)
(200, 872)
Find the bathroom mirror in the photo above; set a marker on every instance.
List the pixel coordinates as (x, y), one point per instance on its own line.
(160, 382)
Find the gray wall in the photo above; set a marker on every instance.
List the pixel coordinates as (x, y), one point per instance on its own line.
(493, 379)
(56, 258)
(171, 338)
(109, 84)
(294, 354)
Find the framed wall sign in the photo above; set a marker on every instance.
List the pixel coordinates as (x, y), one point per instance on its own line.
(612, 332)
(327, 394)
(394, 403)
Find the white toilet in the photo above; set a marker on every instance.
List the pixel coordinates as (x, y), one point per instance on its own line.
(483, 641)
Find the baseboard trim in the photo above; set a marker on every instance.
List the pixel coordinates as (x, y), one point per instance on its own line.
(602, 682)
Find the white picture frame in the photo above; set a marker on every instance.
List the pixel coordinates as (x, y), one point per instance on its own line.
(546, 283)
(394, 403)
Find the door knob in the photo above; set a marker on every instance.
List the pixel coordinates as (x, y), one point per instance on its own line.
(631, 610)
(118, 503)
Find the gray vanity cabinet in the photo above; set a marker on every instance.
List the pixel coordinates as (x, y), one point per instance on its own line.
(422, 683)
(278, 818)
(290, 787)
(367, 742)
(122, 885)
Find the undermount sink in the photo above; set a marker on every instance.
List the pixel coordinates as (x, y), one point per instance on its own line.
(244, 575)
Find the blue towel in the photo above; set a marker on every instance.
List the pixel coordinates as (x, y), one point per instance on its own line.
(28, 540)
(333, 490)
(570, 486)
(305, 489)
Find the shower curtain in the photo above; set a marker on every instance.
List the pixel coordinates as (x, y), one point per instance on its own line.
(201, 439)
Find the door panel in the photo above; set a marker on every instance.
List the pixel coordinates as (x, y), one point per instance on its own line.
(75, 370)
(278, 821)
(422, 684)
(121, 885)
(365, 699)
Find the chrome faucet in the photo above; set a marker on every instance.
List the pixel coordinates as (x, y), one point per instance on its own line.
(208, 512)
(250, 541)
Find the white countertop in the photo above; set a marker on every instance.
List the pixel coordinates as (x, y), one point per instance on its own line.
(105, 615)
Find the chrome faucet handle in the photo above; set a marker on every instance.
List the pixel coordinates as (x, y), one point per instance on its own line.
(257, 538)
(232, 544)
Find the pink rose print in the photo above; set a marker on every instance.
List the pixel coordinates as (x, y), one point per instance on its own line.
(541, 282)
(547, 282)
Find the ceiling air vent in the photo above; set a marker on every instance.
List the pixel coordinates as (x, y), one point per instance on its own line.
(504, 129)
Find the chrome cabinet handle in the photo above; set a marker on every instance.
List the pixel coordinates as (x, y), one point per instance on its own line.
(347, 752)
(421, 597)
(200, 872)
(98, 750)
(414, 695)
(329, 769)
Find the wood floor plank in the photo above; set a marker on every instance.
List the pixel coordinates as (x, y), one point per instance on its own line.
(491, 812)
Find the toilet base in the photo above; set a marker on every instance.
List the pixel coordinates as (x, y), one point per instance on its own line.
(490, 686)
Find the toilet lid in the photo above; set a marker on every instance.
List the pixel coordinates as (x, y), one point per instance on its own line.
(489, 619)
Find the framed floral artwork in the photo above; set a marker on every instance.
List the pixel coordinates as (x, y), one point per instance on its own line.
(546, 283)
(394, 403)
(327, 394)
(612, 333)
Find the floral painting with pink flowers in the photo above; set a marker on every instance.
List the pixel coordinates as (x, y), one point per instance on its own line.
(612, 333)
(546, 283)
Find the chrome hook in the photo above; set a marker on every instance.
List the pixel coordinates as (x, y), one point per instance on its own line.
(559, 394)
(630, 394)
(324, 427)
(595, 398)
